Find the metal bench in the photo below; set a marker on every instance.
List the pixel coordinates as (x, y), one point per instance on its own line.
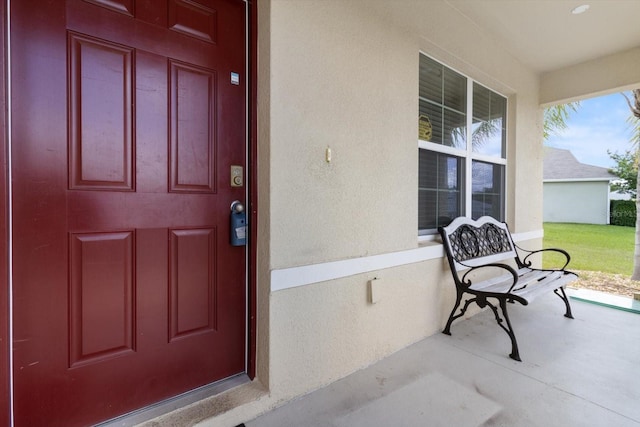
(477, 252)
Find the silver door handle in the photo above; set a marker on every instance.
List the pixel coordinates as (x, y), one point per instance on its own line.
(237, 206)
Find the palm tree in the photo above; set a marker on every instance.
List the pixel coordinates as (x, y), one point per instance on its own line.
(555, 118)
(634, 119)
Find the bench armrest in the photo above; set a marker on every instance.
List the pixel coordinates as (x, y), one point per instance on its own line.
(527, 263)
(467, 282)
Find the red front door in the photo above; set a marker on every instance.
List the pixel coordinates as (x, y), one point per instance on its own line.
(127, 116)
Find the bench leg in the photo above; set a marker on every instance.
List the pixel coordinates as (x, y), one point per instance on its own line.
(447, 329)
(564, 297)
(515, 354)
(452, 316)
(482, 302)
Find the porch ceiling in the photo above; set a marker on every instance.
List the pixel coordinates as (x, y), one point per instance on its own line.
(544, 35)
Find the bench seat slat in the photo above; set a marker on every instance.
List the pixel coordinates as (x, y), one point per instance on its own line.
(531, 292)
(531, 283)
(504, 281)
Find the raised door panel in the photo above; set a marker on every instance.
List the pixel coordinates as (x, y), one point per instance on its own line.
(101, 114)
(194, 19)
(101, 297)
(123, 6)
(193, 128)
(192, 282)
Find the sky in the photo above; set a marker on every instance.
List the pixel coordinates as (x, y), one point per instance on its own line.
(599, 124)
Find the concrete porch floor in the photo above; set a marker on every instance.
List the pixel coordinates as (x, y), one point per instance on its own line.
(580, 372)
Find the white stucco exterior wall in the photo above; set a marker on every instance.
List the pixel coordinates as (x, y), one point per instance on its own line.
(342, 75)
(585, 202)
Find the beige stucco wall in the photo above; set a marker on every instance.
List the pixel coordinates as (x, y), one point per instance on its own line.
(346, 78)
(327, 330)
(340, 82)
(611, 73)
(341, 75)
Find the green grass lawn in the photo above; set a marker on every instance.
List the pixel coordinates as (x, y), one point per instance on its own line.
(606, 248)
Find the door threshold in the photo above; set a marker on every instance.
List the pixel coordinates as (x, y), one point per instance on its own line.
(164, 407)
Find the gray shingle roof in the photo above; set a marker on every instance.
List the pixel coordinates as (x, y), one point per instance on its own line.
(561, 164)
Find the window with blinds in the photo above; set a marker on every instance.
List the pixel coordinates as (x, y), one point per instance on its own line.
(461, 144)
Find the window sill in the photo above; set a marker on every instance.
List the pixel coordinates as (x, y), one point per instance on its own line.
(426, 239)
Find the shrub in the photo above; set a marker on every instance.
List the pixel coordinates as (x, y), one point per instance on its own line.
(623, 212)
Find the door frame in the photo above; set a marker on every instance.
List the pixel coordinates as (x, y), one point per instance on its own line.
(252, 166)
(5, 292)
(5, 205)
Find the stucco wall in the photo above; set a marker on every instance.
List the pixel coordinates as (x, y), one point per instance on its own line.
(616, 72)
(580, 202)
(345, 77)
(340, 82)
(343, 74)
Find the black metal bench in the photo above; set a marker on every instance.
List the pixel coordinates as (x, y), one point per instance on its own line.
(477, 251)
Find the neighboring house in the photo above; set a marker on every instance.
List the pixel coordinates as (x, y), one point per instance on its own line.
(349, 129)
(574, 191)
(618, 195)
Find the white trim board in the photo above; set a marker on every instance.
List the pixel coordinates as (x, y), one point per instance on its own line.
(294, 277)
(567, 180)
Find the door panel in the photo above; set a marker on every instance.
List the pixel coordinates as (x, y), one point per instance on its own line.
(101, 296)
(125, 124)
(101, 113)
(193, 144)
(192, 282)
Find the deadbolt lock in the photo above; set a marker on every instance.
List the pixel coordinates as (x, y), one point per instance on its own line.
(237, 179)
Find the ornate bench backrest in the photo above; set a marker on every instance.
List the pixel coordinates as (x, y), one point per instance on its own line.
(470, 243)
